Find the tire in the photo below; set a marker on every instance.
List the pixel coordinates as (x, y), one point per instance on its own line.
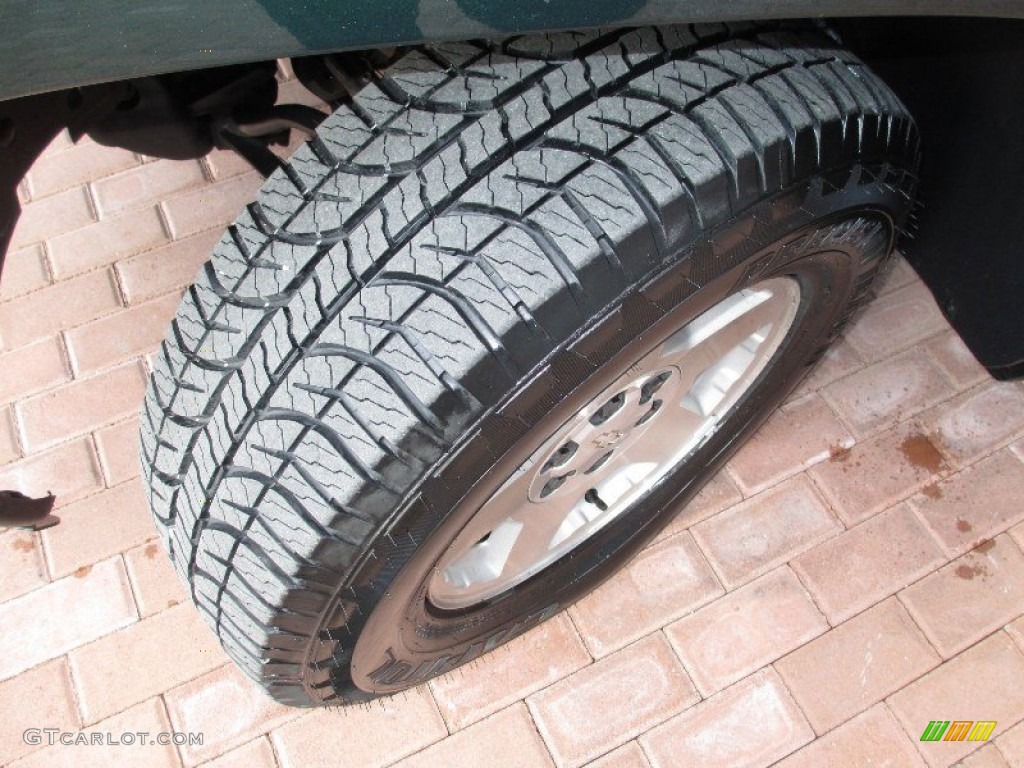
(487, 239)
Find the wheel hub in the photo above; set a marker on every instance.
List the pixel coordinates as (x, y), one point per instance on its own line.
(640, 426)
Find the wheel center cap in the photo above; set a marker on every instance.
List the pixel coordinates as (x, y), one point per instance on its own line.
(608, 439)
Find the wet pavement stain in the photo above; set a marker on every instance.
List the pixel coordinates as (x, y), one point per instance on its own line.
(963, 526)
(932, 491)
(838, 453)
(150, 551)
(22, 545)
(968, 572)
(82, 572)
(921, 452)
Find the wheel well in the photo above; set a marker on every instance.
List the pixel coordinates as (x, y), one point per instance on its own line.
(957, 76)
(960, 79)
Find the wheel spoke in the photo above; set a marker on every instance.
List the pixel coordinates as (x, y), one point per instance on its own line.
(714, 351)
(738, 307)
(486, 559)
(472, 541)
(548, 524)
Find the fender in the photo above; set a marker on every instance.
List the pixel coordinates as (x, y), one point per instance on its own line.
(50, 44)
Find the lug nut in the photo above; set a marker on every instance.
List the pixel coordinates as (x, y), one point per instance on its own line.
(655, 407)
(608, 410)
(561, 456)
(652, 385)
(554, 484)
(599, 463)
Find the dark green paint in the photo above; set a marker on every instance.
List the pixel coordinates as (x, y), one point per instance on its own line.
(50, 44)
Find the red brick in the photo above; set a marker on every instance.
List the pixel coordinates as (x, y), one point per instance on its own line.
(629, 755)
(69, 471)
(879, 472)
(986, 757)
(59, 306)
(256, 754)
(166, 269)
(719, 493)
(840, 360)
(33, 368)
(977, 422)
(1017, 534)
(868, 563)
(39, 698)
(214, 205)
(1011, 745)
(118, 448)
(751, 538)
(895, 322)
(895, 274)
(9, 450)
(608, 703)
(75, 166)
(223, 163)
(799, 435)
(155, 584)
(123, 335)
(21, 564)
(985, 682)
(98, 527)
(1015, 629)
(856, 665)
(873, 738)
(227, 707)
(376, 735)
(660, 584)
(512, 672)
(51, 216)
(745, 630)
(975, 504)
(143, 660)
(969, 598)
(505, 740)
(145, 186)
(888, 392)
(148, 717)
(81, 406)
(956, 360)
(24, 271)
(721, 731)
(91, 603)
(60, 142)
(105, 242)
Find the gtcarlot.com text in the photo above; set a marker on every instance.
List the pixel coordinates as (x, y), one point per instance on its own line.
(51, 736)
